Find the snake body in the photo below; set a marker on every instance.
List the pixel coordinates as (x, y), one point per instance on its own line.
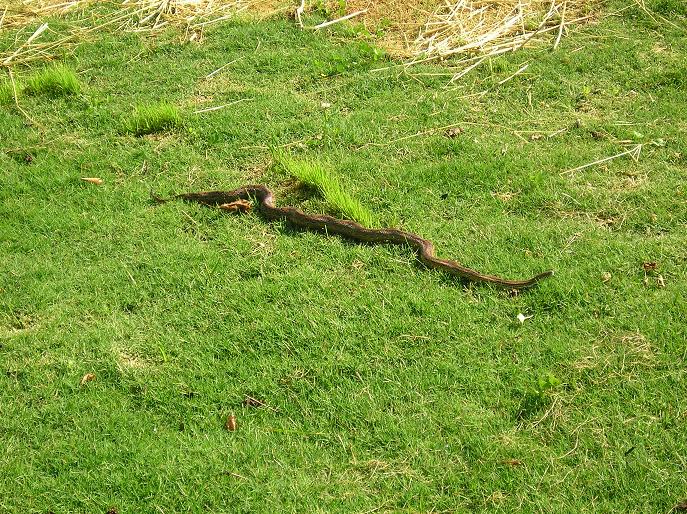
(351, 230)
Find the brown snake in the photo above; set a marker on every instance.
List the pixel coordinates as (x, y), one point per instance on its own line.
(349, 230)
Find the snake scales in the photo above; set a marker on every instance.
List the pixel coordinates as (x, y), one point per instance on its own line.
(232, 200)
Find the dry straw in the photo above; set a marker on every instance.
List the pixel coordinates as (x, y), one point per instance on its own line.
(195, 14)
(467, 31)
(472, 30)
(35, 40)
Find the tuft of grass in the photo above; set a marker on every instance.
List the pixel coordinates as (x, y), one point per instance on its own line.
(316, 175)
(152, 118)
(539, 396)
(6, 93)
(56, 80)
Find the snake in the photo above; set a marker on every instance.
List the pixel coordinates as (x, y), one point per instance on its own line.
(237, 200)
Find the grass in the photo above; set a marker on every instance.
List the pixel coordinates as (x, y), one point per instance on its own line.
(386, 386)
(55, 80)
(153, 118)
(6, 93)
(316, 175)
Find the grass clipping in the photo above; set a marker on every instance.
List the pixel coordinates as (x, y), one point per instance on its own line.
(315, 175)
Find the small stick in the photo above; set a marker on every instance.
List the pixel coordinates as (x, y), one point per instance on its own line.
(523, 68)
(210, 75)
(559, 131)
(343, 18)
(299, 13)
(561, 27)
(222, 106)
(632, 152)
(467, 70)
(215, 20)
(16, 100)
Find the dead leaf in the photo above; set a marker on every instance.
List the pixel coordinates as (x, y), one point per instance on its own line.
(231, 423)
(240, 206)
(453, 132)
(112, 510)
(660, 281)
(680, 507)
(93, 180)
(511, 462)
(650, 266)
(87, 378)
(606, 277)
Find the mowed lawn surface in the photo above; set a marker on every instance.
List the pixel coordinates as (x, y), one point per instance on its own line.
(386, 387)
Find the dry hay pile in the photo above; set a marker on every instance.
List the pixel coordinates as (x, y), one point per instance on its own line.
(433, 29)
(194, 13)
(41, 43)
(492, 27)
(399, 22)
(143, 12)
(16, 17)
(15, 13)
(469, 30)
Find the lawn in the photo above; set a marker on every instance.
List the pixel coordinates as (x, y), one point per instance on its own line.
(360, 382)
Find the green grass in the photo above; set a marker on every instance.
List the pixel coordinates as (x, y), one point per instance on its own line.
(668, 7)
(6, 93)
(316, 175)
(153, 118)
(55, 80)
(388, 387)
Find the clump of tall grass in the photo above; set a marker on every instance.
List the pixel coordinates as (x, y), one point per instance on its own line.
(56, 80)
(6, 93)
(149, 119)
(316, 175)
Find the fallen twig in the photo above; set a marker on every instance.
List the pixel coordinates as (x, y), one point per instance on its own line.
(16, 99)
(560, 27)
(212, 74)
(632, 152)
(343, 18)
(217, 108)
(299, 13)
